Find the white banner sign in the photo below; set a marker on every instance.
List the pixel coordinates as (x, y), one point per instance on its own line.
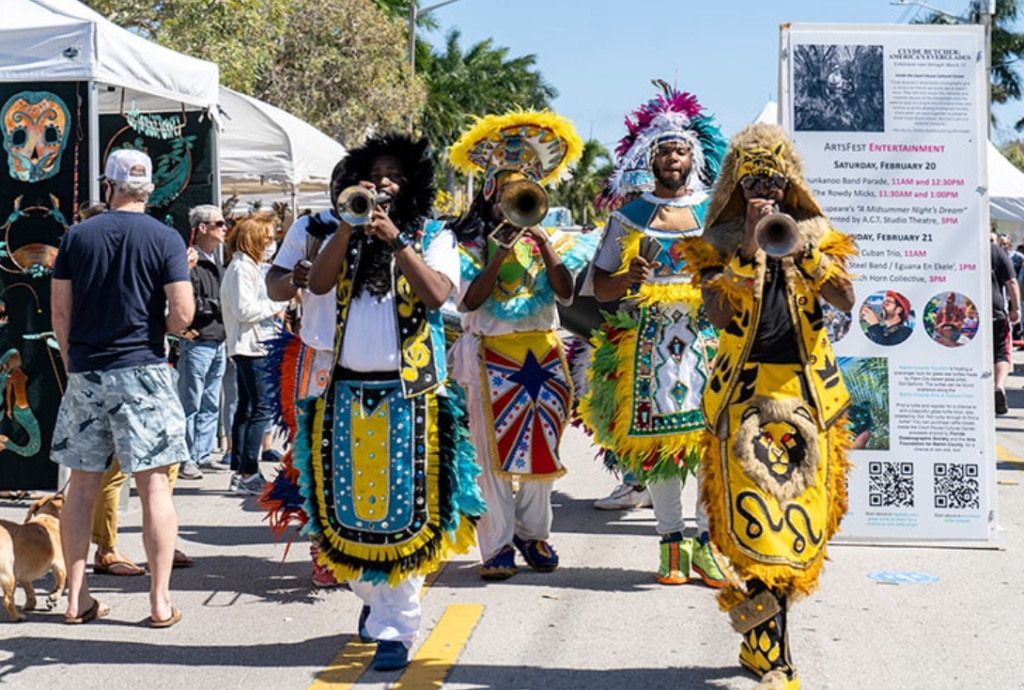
(890, 122)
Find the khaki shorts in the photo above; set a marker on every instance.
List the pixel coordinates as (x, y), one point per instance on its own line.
(134, 413)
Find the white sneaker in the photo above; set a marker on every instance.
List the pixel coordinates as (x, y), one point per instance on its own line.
(190, 471)
(625, 496)
(253, 485)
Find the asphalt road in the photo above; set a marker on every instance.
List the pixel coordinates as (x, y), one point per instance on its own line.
(600, 622)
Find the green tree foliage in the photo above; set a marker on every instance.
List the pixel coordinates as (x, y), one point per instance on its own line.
(480, 81)
(1014, 152)
(578, 192)
(1007, 48)
(345, 70)
(338, 64)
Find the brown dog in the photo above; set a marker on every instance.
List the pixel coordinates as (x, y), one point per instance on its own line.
(28, 551)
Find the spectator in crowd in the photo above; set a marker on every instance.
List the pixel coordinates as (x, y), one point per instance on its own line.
(1004, 289)
(120, 284)
(249, 322)
(201, 360)
(305, 372)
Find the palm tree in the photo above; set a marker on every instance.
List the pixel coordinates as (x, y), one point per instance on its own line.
(481, 81)
(578, 192)
(1007, 48)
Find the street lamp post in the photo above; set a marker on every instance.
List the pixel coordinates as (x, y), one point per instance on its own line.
(414, 14)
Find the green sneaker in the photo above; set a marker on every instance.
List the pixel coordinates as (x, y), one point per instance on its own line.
(675, 559)
(712, 567)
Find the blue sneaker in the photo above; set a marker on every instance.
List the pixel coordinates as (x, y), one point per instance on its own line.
(364, 634)
(537, 553)
(390, 656)
(500, 566)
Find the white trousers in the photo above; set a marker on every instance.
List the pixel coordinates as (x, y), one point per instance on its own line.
(667, 498)
(395, 612)
(527, 514)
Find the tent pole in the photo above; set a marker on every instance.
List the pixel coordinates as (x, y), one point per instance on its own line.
(295, 204)
(92, 128)
(215, 145)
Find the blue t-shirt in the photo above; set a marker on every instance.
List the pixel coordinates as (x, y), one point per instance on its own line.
(118, 263)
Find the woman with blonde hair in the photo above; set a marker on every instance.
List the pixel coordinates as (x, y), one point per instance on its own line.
(249, 322)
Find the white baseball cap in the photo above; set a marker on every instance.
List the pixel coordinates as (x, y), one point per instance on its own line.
(128, 165)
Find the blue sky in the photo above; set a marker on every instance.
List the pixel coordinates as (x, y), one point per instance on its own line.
(602, 54)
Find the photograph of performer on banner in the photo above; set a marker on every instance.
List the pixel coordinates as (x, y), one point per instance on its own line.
(951, 319)
(887, 318)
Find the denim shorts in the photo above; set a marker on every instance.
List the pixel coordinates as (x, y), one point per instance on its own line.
(134, 413)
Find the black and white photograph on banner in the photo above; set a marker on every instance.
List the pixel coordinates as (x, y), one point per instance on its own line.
(839, 88)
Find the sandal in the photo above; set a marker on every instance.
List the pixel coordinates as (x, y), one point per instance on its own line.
(181, 560)
(20, 495)
(116, 564)
(167, 622)
(97, 610)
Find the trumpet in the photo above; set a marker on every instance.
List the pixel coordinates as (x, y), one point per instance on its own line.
(524, 204)
(776, 234)
(356, 204)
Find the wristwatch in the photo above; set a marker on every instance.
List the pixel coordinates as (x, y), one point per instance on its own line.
(398, 243)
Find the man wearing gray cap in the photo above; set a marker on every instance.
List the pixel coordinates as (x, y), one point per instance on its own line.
(120, 284)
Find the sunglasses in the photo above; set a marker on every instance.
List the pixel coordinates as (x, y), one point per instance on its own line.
(218, 223)
(773, 181)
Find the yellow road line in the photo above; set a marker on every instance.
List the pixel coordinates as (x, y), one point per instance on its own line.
(355, 657)
(438, 653)
(1003, 455)
(346, 668)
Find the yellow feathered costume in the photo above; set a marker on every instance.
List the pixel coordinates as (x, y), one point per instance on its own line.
(774, 453)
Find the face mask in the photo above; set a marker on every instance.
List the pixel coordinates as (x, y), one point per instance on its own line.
(269, 251)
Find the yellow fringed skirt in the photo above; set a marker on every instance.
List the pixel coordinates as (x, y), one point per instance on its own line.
(773, 483)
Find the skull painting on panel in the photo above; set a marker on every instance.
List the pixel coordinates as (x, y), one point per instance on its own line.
(35, 132)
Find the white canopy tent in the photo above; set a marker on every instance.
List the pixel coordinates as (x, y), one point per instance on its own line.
(1005, 181)
(1005, 188)
(270, 155)
(63, 40)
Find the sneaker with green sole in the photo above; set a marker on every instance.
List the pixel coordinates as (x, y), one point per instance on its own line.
(709, 563)
(675, 559)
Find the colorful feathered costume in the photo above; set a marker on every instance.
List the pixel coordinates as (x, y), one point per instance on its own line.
(510, 360)
(384, 469)
(774, 465)
(651, 358)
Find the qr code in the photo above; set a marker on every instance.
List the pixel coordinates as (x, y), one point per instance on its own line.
(891, 484)
(957, 486)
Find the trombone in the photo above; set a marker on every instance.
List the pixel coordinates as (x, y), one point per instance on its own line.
(356, 204)
(524, 203)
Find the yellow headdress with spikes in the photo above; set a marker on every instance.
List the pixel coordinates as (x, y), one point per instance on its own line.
(539, 144)
(760, 161)
(759, 149)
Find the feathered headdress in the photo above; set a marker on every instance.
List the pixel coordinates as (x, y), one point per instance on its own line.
(538, 144)
(671, 116)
